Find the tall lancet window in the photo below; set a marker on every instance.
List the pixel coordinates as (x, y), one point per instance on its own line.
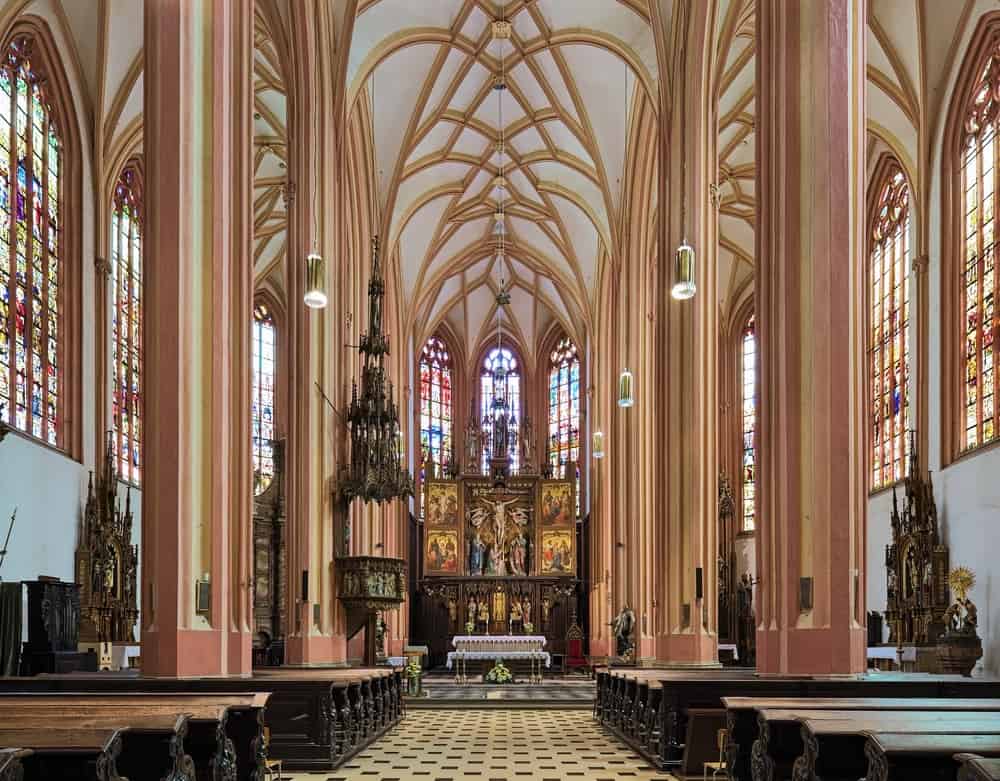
(748, 381)
(262, 413)
(980, 286)
(126, 324)
(564, 410)
(501, 380)
(889, 343)
(435, 403)
(32, 342)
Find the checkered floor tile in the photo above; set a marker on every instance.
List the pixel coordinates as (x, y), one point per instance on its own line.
(494, 745)
(579, 692)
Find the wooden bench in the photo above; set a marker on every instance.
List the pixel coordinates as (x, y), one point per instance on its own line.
(307, 727)
(64, 745)
(896, 756)
(976, 768)
(11, 768)
(224, 731)
(834, 741)
(742, 724)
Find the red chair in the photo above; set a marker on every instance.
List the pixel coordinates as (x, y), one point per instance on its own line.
(574, 649)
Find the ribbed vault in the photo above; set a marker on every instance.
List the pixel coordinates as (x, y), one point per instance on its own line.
(575, 75)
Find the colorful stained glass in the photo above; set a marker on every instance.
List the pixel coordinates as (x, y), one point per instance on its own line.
(564, 411)
(263, 433)
(436, 403)
(980, 280)
(126, 324)
(30, 267)
(500, 360)
(889, 341)
(748, 372)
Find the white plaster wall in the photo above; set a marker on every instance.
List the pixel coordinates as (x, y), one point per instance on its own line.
(968, 490)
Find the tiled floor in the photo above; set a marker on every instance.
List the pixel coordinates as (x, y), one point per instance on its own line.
(562, 690)
(494, 745)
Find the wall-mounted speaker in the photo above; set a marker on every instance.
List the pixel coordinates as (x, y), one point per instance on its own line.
(698, 587)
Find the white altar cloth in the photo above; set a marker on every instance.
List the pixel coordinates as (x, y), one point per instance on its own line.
(504, 643)
(498, 655)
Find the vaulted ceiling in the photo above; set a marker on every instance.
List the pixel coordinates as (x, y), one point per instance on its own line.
(573, 72)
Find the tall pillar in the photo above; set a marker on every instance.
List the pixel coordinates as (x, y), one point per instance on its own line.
(196, 513)
(688, 341)
(810, 191)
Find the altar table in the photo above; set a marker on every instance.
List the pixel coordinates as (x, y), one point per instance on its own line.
(498, 648)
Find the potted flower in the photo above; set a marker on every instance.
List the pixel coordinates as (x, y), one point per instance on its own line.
(529, 628)
(414, 674)
(469, 627)
(499, 674)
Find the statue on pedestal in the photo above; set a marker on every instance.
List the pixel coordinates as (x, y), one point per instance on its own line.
(476, 550)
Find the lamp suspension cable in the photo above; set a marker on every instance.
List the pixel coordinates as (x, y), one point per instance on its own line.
(314, 296)
(684, 269)
(626, 383)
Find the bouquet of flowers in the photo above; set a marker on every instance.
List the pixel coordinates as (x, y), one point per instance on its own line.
(413, 669)
(528, 627)
(469, 627)
(499, 674)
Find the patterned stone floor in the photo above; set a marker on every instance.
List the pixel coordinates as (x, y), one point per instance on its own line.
(494, 745)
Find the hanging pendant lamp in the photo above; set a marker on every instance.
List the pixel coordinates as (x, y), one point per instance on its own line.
(626, 394)
(315, 295)
(597, 444)
(684, 280)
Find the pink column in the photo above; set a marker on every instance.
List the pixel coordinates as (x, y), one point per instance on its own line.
(810, 155)
(196, 498)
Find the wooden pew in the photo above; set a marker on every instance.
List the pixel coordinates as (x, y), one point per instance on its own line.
(11, 768)
(224, 735)
(895, 756)
(976, 768)
(742, 725)
(701, 690)
(148, 746)
(834, 741)
(307, 727)
(72, 754)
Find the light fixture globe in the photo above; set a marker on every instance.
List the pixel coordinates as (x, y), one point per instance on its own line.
(626, 392)
(684, 284)
(597, 444)
(315, 295)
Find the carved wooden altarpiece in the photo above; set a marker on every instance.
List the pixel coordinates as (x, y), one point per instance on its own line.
(107, 562)
(916, 566)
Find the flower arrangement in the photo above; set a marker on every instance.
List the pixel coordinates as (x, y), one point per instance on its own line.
(499, 674)
(469, 627)
(529, 627)
(413, 668)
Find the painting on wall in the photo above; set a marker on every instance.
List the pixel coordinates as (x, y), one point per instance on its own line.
(558, 507)
(441, 555)
(441, 508)
(557, 553)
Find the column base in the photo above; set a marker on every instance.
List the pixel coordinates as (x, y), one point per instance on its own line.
(822, 651)
(315, 650)
(687, 650)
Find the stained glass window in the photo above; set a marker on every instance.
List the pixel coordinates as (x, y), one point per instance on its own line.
(500, 379)
(262, 413)
(748, 379)
(435, 403)
(31, 348)
(564, 411)
(980, 281)
(126, 324)
(888, 332)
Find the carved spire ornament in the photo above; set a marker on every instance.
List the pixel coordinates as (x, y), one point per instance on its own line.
(376, 472)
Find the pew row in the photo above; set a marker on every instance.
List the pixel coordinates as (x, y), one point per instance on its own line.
(648, 709)
(785, 738)
(148, 747)
(223, 736)
(977, 768)
(894, 756)
(317, 717)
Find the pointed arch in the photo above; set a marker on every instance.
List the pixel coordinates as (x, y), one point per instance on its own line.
(887, 300)
(970, 279)
(41, 255)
